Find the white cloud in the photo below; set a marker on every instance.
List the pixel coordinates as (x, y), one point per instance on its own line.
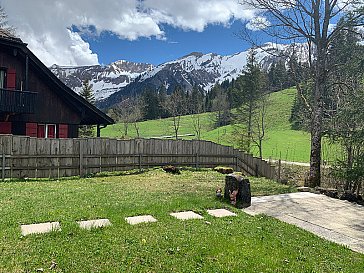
(196, 14)
(45, 24)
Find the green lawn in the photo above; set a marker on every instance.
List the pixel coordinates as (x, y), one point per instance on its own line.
(281, 141)
(239, 244)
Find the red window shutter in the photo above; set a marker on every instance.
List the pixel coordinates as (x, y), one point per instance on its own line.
(11, 79)
(51, 131)
(41, 131)
(5, 127)
(63, 131)
(31, 129)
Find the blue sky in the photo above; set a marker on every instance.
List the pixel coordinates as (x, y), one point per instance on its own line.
(218, 39)
(86, 32)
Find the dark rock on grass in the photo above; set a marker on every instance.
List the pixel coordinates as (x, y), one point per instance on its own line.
(346, 195)
(330, 192)
(349, 196)
(172, 169)
(237, 190)
(224, 170)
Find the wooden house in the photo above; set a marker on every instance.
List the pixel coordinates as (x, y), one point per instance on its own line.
(34, 102)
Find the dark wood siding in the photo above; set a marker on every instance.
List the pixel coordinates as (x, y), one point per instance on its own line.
(17, 63)
(51, 107)
(73, 131)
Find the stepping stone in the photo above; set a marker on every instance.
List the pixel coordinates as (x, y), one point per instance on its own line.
(220, 213)
(40, 228)
(186, 215)
(140, 219)
(94, 223)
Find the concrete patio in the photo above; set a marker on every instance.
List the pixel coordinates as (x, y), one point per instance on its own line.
(335, 220)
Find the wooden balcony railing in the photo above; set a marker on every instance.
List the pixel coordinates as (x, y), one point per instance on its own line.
(15, 101)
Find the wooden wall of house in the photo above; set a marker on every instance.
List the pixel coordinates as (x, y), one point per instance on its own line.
(9, 60)
(51, 107)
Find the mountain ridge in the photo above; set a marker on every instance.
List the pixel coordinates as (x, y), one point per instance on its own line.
(123, 78)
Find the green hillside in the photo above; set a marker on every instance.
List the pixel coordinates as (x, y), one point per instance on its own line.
(281, 141)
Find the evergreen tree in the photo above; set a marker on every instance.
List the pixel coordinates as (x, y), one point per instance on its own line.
(236, 91)
(88, 94)
(152, 104)
(278, 76)
(221, 106)
(162, 97)
(197, 100)
(345, 108)
(249, 118)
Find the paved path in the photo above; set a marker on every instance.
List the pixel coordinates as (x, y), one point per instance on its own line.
(335, 220)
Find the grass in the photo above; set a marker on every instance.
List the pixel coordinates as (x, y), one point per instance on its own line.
(281, 141)
(239, 244)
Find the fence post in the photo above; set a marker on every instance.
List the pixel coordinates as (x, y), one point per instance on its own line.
(196, 160)
(236, 163)
(140, 162)
(3, 167)
(81, 157)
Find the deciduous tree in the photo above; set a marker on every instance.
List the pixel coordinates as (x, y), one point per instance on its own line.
(310, 22)
(176, 106)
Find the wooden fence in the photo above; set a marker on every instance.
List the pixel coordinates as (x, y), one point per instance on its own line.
(41, 158)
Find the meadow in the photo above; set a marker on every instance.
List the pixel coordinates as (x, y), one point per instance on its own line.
(234, 244)
(281, 142)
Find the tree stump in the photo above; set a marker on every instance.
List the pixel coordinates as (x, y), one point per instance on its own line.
(237, 190)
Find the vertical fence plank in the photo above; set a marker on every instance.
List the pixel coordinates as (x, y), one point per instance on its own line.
(81, 153)
(54, 159)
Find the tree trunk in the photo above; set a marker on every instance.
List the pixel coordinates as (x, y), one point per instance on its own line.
(319, 92)
(137, 129)
(316, 135)
(260, 148)
(315, 158)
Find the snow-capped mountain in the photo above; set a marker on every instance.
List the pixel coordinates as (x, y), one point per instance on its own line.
(106, 80)
(120, 79)
(205, 70)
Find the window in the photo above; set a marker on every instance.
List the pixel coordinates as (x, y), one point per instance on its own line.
(7, 78)
(46, 131)
(50, 131)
